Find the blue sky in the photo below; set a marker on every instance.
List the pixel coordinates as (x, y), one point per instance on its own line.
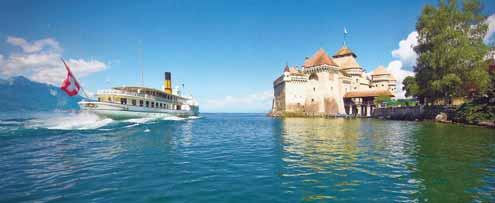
(227, 53)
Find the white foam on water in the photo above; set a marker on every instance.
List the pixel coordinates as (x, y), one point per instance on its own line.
(173, 118)
(141, 120)
(88, 121)
(132, 125)
(10, 122)
(155, 118)
(69, 121)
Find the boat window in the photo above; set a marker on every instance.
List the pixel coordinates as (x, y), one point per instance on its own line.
(134, 102)
(99, 99)
(161, 105)
(147, 103)
(123, 101)
(140, 102)
(152, 104)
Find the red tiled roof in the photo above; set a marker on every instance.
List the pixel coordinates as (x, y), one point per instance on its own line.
(380, 71)
(286, 69)
(319, 58)
(344, 51)
(368, 93)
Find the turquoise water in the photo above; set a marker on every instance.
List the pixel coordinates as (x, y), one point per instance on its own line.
(243, 158)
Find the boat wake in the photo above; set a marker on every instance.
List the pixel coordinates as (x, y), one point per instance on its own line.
(89, 121)
(69, 121)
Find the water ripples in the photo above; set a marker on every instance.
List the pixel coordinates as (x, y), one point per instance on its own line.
(244, 157)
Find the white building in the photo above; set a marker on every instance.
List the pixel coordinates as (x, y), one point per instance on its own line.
(327, 85)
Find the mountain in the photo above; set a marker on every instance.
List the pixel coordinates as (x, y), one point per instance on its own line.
(21, 94)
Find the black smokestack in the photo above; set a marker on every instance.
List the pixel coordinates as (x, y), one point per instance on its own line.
(168, 83)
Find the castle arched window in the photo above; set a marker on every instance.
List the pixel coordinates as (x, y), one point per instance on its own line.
(313, 77)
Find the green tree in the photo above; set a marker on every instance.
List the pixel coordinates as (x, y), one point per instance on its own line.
(450, 51)
(410, 86)
(382, 99)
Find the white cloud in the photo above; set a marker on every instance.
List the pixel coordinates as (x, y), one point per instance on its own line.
(256, 102)
(490, 21)
(40, 61)
(36, 46)
(395, 67)
(405, 52)
(404, 61)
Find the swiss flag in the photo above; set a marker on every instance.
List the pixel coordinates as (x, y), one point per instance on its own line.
(70, 84)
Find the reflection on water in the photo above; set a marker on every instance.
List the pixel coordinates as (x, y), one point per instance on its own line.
(457, 162)
(363, 160)
(247, 158)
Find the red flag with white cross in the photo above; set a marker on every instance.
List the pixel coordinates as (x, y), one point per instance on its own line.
(70, 84)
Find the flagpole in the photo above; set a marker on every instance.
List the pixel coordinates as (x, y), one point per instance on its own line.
(345, 36)
(70, 72)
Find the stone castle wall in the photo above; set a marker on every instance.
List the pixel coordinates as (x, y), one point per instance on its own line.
(320, 94)
(412, 112)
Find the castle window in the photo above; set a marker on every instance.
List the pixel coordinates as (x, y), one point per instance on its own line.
(313, 77)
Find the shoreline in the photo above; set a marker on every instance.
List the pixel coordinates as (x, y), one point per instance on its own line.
(482, 124)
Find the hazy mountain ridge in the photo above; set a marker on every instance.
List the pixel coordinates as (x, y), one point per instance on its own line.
(21, 94)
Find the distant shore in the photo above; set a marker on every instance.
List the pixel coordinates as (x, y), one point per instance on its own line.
(442, 114)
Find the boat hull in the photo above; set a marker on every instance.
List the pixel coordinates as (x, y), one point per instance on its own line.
(121, 111)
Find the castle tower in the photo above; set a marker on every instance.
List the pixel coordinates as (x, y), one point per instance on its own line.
(346, 59)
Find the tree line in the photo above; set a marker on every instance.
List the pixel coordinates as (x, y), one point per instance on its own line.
(453, 59)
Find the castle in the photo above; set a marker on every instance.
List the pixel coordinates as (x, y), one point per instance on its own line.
(326, 85)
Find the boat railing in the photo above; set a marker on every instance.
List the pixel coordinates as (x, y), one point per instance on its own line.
(126, 93)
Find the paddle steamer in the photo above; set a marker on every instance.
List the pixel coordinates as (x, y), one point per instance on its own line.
(137, 102)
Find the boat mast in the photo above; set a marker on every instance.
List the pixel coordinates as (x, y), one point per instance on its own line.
(140, 62)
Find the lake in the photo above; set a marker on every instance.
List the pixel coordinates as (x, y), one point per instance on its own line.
(243, 158)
